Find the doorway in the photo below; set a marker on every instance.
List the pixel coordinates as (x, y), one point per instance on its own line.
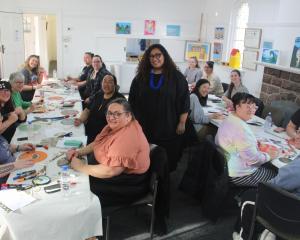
(40, 39)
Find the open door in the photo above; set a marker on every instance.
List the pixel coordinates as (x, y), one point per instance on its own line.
(11, 43)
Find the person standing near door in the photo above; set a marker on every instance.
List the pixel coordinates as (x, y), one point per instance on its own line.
(33, 74)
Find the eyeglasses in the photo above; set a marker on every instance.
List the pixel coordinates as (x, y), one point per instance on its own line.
(114, 115)
(157, 55)
(19, 83)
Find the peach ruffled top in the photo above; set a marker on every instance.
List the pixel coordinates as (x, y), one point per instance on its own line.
(126, 147)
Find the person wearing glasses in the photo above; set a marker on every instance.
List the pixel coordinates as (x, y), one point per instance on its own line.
(9, 116)
(235, 137)
(159, 97)
(33, 74)
(216, 87)
(121, 152)
(94, 114)
(94, 79)
(16, 81)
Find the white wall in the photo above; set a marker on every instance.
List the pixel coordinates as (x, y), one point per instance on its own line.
(279, 21)
(81, 22)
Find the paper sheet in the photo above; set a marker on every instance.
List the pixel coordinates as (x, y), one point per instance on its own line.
(14, 199)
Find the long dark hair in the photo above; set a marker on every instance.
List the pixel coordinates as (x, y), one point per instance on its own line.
(231, 86)
(145, 66)
(8, 106)
(202, 100)
(98, 56)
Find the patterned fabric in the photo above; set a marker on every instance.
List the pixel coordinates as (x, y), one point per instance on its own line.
(236, 138)
(5, 155)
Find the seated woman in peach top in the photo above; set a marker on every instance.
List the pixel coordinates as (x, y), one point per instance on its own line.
(121, 152)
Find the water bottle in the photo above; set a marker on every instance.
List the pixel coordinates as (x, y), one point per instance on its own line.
(268, 123)
(30, 130)
(54, 74)
(65, 180)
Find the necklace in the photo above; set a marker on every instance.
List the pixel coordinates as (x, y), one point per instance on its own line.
(159, 84)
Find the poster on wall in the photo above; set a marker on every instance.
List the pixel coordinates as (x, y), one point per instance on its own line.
(252, 38)
(267, 45)
(173, 30)
(249, 58)
(123, 28)
(196, 49)
(217, 51)
(295, 61)
(149, 27)
(219, 33)
(270, 56)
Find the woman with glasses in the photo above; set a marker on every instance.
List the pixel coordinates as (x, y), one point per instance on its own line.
(121, 152)
(94, 79)
(33, 74)
(94, 114)
(16, 81)
(235, 86)
(159, 97)
(235, 137)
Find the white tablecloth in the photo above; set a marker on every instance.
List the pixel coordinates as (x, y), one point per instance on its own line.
(53, 216)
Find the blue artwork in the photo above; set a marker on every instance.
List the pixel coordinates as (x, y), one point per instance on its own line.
(295, 61)
(123, 28)
(268, 45)
(173, 30)
(270, 56)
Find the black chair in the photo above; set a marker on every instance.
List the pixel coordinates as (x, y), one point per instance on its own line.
(225, 86)
(260, 107)
(278, 211)
(148, 200)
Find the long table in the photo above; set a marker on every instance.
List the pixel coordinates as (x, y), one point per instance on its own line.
(270, 136)
(53, 216)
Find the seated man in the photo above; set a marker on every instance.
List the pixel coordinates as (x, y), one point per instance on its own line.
(287, 179)
(292, 129)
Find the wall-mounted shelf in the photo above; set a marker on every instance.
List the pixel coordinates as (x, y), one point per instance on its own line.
(279, 67)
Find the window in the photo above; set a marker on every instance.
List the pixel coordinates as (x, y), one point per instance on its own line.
(240, 17)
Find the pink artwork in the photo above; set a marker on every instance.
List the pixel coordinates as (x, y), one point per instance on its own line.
(149, 27)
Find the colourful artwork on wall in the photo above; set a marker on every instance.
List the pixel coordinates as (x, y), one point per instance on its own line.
(199, 50)
(123, 28)
(149, 27)
(217, 51)
(295, 61)
(173, 30)
(270, 56)
(219, 33)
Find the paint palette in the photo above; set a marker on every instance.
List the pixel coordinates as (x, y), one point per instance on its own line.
(36, 156)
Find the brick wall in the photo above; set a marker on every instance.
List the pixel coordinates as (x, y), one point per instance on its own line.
(280, 85)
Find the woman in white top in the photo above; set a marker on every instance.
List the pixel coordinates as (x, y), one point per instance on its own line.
(216, 87)
(198, 99)
(193, 73)
(235, 86)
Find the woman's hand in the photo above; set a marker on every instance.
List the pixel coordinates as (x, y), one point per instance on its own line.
(216, 116)
(27, 147)
(37, 86)
(77, 164)
(18, 111)
(77, 122)
(12, 117)
(180, 128)
(18, 164)
(31, 108)
(273, 153)
(71, 154)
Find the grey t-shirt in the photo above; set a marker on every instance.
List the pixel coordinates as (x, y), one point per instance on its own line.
(192, 75)
(241, 88)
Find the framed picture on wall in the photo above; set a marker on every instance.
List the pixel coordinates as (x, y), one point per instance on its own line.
(123, 28)
(252, 38)
(295, 61)
(149, 28)
(197, 49)
(249, 58)
(217, 51)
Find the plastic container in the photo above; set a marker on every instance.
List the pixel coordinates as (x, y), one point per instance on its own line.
(65, 181)
(268, 122)
(235, 58)
(30, 130)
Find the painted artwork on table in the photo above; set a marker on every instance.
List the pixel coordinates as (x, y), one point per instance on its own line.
(295, 61)
(199, 50)
(217, 51)
(149, 27)
(173, 30)
(219, 33)
(270, 56)
(123, 28)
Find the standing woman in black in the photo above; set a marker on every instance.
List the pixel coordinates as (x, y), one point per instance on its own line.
(159, 97)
